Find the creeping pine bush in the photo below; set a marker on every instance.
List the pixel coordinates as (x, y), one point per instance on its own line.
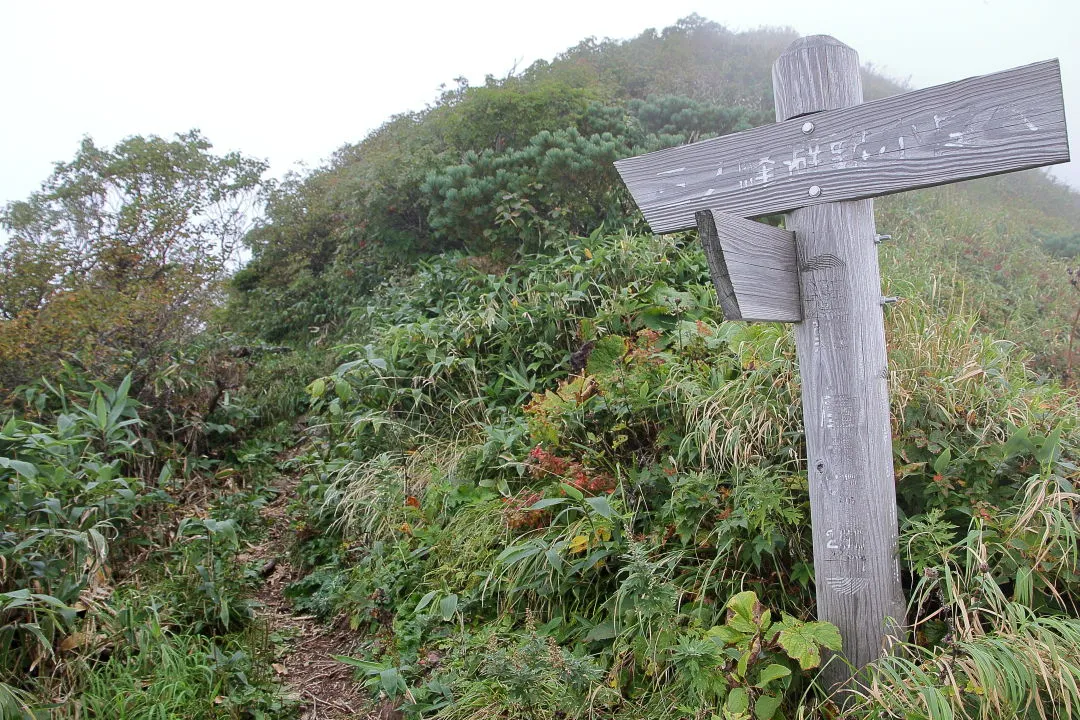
(504, 168)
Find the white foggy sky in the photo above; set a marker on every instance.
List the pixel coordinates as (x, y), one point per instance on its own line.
(292, 82)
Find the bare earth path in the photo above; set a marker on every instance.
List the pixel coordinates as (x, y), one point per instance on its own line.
(324, 686)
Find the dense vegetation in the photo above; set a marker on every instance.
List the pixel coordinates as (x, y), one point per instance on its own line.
(528, 463)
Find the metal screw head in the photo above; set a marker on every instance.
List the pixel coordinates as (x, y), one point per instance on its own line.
(814, 191)
(807, 128)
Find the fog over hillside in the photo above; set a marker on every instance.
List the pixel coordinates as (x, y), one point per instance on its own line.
(291, 86)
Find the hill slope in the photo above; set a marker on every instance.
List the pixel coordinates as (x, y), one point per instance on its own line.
(553, 480)
(520, 465)
(527, 158)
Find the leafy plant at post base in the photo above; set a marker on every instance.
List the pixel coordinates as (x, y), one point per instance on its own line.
(758, 653)
(977, 653)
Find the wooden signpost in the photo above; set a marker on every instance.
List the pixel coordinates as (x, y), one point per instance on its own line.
(821, 162)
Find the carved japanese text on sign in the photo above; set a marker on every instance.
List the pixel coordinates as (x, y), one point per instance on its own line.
(980, 126)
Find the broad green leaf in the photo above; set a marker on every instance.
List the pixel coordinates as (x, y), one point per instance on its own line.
(772, 672)
(1048, 446)
(391, 682)
(603, 631)
(746, 614)
(765, 707)
(123, 389)
(546, 503)
(803, 641)
(601, 506)
(20, 594)
(743, 604)
(725, 635)
(749, 653)
(655, 318)
(27, 470)
(1019, 443)
(102, 412)
(942, 462)
(343, 390)
(50, 600)
(425, 601)
(448, 606)
(572, 491)
(377, 363)
(738, 701)
(366, 665)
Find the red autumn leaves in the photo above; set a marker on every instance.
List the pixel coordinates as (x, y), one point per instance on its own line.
(545, 465)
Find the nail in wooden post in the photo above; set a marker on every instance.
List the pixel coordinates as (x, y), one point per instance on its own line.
(841, 351)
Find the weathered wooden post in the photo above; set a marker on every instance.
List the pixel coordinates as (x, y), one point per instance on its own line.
(841, 349)
(826, 155)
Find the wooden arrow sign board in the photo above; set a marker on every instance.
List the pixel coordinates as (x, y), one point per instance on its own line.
(753, 267)
(826, 155)
(1012, 120)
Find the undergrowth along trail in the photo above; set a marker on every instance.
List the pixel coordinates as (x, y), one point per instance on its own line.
(567, 487)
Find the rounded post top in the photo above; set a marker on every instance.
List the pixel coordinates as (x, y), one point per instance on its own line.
(814, 41)
(815, 73)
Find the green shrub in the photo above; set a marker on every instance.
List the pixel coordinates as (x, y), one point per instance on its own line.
(65, 498)
(581, 437)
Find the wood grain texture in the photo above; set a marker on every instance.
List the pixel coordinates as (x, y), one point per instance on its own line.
(842, 364)
(986, 125)
(753, 262)
(807, 62)
(718, 270)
